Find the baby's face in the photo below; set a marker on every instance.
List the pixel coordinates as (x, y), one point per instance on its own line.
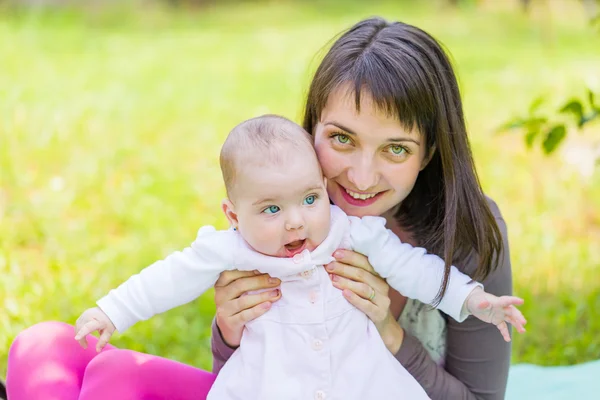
(282, 208)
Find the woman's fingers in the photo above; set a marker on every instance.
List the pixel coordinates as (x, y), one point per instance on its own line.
(235, 308)
(249, 314)
(363, 305)
(227, 277)
(358, 275)
(361, 289)
(237, 287)
(242, 303)
(353, 258)
(360, 285)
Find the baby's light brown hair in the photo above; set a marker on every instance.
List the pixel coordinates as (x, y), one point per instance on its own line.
(265, 139)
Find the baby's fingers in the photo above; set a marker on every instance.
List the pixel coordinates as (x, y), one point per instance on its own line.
(506, 301)
(103, 341)
(515, 317)
(503, 328)
(86, 329)
(82, 341)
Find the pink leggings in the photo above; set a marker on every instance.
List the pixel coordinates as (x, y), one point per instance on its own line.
(45, 362)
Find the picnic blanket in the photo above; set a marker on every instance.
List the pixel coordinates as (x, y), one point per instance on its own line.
(573, 382)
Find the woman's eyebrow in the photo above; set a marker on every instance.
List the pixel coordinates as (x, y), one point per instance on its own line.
(339, 126)
(390, 140)
(404, 139)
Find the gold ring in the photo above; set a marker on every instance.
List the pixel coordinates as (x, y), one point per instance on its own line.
(372, 296)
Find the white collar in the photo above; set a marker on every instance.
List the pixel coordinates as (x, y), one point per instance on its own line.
(248, 259)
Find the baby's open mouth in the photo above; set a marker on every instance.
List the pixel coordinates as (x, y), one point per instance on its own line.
(295, 247)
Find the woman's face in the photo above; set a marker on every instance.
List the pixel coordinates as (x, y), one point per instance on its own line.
(371, 162)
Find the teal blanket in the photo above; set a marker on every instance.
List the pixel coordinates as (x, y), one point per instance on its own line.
(574, 382)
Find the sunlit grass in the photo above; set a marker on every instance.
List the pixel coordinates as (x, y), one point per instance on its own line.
(110, 127)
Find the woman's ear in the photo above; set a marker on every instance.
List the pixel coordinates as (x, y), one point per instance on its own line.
(230, 214)
(427, 158)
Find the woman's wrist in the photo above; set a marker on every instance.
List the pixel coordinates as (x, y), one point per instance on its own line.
(220, 332)
(392, 335)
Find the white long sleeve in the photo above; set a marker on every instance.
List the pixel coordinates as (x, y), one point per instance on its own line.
(409, 270)
(174, 281)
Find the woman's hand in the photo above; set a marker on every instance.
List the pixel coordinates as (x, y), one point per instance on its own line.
(235, 308)
(362, 287)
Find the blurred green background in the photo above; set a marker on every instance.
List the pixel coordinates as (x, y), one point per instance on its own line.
(111, 120)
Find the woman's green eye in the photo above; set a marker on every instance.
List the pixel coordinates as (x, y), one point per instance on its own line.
(397, 150)
(271, 210)
(343, 139)
(309, 200)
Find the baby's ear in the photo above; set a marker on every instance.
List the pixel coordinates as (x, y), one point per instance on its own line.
(229, 210)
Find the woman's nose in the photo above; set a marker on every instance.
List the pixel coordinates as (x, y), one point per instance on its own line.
(363, 174)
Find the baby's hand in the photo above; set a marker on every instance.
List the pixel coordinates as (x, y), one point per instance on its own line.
(496, 310)
(94, 319)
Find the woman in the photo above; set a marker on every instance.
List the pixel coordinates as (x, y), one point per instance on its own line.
(385, 112)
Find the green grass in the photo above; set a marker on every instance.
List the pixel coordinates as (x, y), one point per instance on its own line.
(111, 124)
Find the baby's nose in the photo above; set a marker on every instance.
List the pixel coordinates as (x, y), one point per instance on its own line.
(293, 225)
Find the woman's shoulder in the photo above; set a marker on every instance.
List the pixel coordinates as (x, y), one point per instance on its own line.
(494, 208)
(500, 279)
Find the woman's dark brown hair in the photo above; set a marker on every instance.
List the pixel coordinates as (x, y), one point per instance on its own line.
(409, 76)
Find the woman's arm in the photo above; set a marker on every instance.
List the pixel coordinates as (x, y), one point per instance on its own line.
(220, 350)
(409, 269)
(477, 358)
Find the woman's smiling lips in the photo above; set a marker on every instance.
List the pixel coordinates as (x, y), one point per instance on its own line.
(359, 199)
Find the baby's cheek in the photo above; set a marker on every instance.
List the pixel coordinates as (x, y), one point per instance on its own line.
(323, 225)
(268, 240)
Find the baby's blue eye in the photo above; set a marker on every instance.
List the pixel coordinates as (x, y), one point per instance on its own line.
(271, 210)
(309, 200)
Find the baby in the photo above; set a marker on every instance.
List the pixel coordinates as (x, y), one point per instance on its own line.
(312, 343)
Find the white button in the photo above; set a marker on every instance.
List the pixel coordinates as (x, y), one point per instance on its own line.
(320, 395)
(313, 297)
(298, 258)
(306, 274)
(317, 344)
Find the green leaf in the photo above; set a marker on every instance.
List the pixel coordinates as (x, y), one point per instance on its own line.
(553, 138)
(573, 107)
(530, 137)
(535, 105)
(535, 124)
(512, 124)
(589, 117)
(591, 100)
